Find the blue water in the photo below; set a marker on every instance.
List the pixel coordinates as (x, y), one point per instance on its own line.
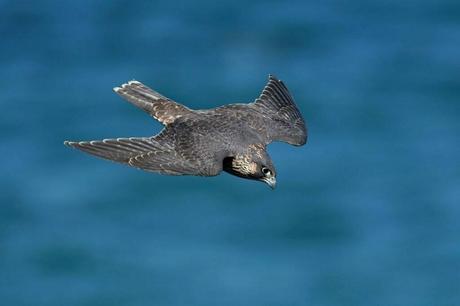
(367, 213)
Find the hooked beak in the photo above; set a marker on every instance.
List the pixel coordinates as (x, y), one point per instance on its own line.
(271, 181)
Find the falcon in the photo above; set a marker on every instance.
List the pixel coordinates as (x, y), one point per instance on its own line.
(231, 138)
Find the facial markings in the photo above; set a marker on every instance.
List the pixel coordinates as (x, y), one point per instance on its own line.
(244, 165)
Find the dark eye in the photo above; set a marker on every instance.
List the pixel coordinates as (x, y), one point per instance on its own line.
(265, 170)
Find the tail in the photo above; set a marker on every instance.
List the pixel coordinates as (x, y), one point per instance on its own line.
(159, 107)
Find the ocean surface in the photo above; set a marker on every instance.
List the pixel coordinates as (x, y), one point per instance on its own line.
(367, 213)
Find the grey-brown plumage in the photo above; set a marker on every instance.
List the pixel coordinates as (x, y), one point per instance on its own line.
(232, 137)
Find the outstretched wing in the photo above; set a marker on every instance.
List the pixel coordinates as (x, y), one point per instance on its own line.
(147, 153)
(285, 123)
(159, 107)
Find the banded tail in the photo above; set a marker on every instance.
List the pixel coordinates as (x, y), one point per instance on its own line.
(159, 107)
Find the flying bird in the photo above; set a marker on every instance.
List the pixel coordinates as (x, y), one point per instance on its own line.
(231, 138)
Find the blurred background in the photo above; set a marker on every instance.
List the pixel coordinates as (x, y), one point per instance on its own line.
(367, 213)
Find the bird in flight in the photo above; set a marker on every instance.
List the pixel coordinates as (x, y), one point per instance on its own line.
(231, 138)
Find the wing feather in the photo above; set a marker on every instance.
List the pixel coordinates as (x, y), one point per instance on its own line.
(146, 153)
(286, 122)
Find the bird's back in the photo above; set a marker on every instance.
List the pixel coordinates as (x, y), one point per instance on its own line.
(228, 128)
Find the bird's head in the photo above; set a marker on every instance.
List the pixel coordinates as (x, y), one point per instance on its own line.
(254, 165)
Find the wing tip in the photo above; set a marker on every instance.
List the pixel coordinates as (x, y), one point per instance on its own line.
(73, 144)
(272, 77)
(79, 144)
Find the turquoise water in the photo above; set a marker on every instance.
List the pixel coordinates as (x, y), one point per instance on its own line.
(365, 214)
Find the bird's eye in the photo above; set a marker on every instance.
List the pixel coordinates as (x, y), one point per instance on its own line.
(266, 171)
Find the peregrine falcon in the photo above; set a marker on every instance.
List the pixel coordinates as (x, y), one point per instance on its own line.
(230, 138)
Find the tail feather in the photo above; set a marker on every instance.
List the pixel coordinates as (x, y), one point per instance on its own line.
(161, 108)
